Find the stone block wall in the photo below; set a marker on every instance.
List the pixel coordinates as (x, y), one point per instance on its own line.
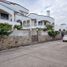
(17, 38)
(43, 36)
(23, 38)
(11, 41)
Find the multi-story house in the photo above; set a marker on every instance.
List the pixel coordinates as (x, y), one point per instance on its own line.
(40, 21)
(13, 13)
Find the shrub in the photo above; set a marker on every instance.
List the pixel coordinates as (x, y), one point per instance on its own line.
(44, 29)
(18, 27)
(49, 27)
(53, 33)
(5, 29)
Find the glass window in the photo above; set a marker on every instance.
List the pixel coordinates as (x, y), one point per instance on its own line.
(4, 16)
(40, 23)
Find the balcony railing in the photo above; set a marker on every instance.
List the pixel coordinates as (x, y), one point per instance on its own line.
(7, 21)
(33, 27)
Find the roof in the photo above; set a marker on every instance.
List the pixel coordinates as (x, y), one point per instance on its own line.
(41, 17)
(26, 18)
(14, 6)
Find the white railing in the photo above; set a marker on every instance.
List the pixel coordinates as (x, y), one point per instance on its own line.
(30, 27)
(24, 27)
(7, 21)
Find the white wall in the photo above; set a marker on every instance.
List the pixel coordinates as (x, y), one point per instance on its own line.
(16, 7)
(20, 33)
(9, 22)
(41, 17)
(6, 9)
(18, 17)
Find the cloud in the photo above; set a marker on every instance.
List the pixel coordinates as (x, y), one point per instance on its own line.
(58, 8)
(59, 11)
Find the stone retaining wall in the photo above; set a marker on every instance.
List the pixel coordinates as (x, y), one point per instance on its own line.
(24, 39)
(43, 36)
(9, 42)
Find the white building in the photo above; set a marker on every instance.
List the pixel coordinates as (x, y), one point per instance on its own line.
(40, 21)
(12, 13)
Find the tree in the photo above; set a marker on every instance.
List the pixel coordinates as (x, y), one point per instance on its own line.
(18, 27)
(53, 33)
(5, 29)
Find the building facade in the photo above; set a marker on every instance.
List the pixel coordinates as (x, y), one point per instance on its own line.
(13, 13)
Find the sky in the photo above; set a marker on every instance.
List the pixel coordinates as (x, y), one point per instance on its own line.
(58, 8)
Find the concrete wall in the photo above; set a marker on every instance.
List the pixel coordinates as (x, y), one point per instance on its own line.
(22, 33)
(24, 37)
(15, 39)
(34, 32)
(43, 36)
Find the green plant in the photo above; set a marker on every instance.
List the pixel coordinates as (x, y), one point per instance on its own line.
(44, 29)
(5, 29)
(49, 27)
(53, 33)
(18, 27)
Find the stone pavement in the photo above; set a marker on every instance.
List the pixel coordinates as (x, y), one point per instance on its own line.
(48, 54)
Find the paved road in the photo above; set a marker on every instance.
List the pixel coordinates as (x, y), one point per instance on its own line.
(49, 54)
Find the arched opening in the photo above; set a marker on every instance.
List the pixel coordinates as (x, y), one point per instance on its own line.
(19, 21)
(26, 23)
(4, 15)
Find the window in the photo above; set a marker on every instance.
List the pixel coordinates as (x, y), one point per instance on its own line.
(19, 21)
(35, 23)
(4, 16)
(28, 23)
(24, 23)
(40, 23)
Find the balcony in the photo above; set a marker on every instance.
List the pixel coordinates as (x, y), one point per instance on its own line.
(34, 27)
(7, 21)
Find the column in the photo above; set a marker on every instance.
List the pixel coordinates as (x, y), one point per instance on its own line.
(30, 24)
(37, 23)
(12, 17)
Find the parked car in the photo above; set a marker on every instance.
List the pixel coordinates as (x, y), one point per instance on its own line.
(65, 38)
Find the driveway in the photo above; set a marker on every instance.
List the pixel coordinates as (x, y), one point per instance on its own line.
(48, 54)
